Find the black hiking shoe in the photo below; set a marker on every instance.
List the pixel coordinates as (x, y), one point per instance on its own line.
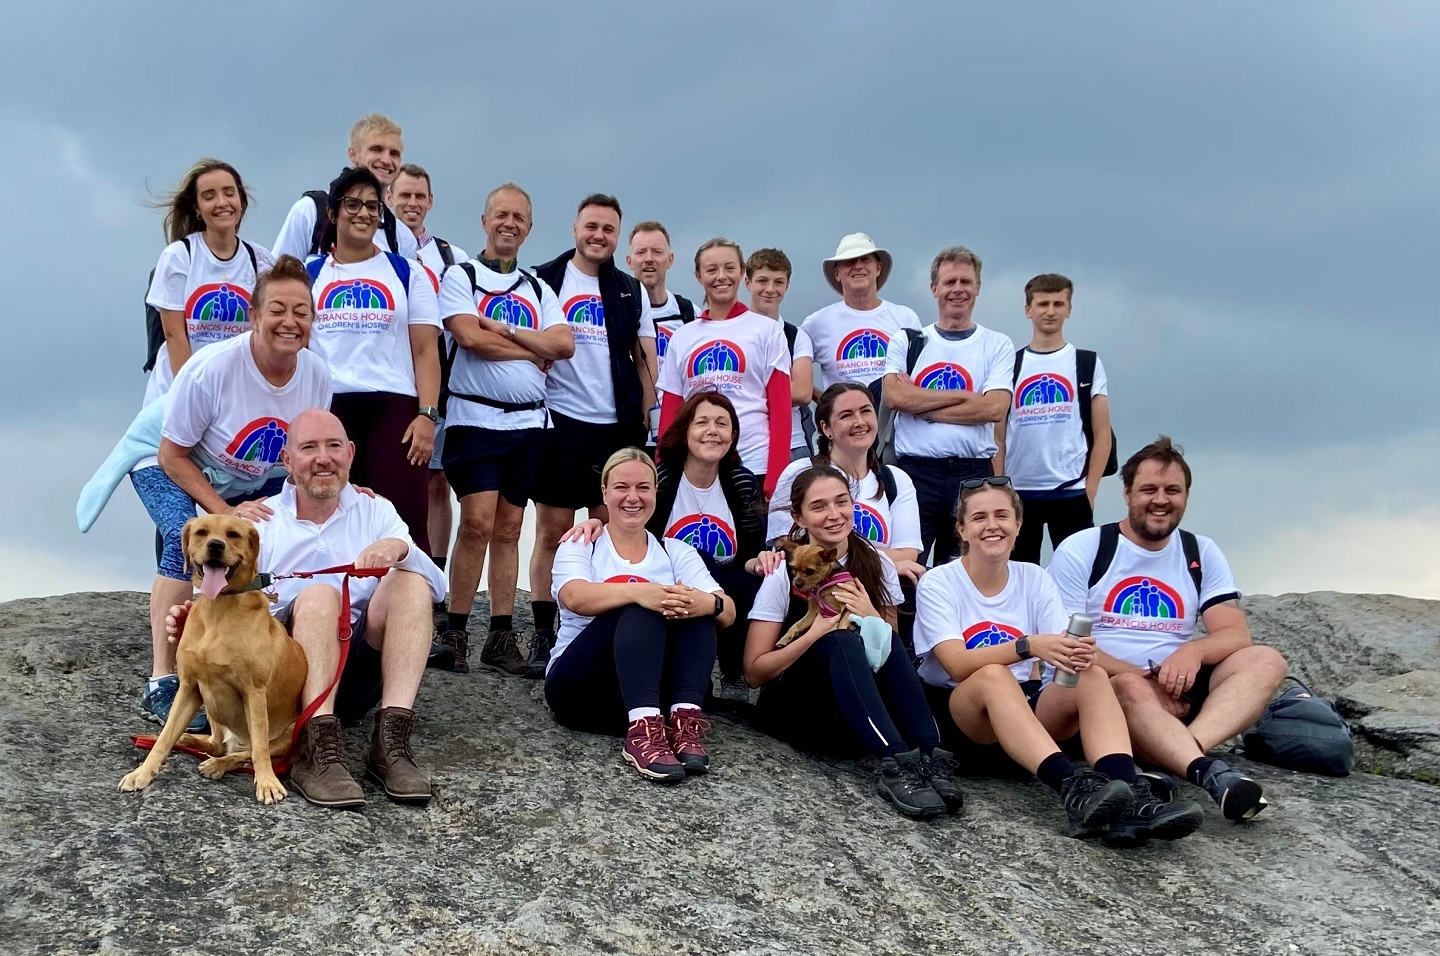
(902, 782)
(540, 647)
(939, 770)
(1156, 815)
(1238, 797)
(459, 644)
(1092, 800)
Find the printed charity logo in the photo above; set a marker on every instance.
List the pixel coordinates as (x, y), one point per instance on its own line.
(256, 447)
(354, 305)
(626, 579)
(215, 312)
(1044, 398)
(871, 524)
(586, 315)
(861, 354)
(990, 634)
(662, 340)
(510, 309)
(1144, 603)
(706, 534)
(719, 363)
(945, 377)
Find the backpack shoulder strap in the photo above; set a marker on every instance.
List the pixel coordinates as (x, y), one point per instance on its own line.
(529, 277)
(917, 345)
(389, 223)
(1015, 376)
(401, 265)
(447, 256)
(469, 269)
(790, 333)
(887, 482)
(186, 243)
(254, 263)
(687, 309)
(1109, 541)
(321, 199)
(1085, 379)
(1191, 546)
(313, 267)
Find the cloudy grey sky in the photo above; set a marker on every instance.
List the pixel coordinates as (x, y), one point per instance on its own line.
(1246, 196)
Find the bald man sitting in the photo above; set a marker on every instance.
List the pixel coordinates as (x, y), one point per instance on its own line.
(319, 521)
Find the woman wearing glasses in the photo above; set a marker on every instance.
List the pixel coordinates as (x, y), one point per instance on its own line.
(377, 323)
(990, 633)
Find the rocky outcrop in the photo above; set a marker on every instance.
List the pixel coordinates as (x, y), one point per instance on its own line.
(540, 841)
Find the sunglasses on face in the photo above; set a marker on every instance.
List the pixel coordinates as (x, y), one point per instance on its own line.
(999, 481)
(352, 205)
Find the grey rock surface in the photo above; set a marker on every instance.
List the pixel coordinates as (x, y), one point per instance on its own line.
(540, 841)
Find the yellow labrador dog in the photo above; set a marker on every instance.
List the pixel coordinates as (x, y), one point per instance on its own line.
(235, 659)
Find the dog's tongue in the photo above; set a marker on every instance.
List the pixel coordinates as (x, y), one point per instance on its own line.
(213, 582)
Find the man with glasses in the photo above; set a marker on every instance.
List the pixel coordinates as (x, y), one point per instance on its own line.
(949, 385)
(1146, 583)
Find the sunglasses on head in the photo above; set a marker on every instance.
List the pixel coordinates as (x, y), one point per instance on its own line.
(970, 484)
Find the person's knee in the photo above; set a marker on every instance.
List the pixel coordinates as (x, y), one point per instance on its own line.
(506, 532)
(477, 522)
(406, 588)
(1132, 690)
(1266, 661)
(845, 643)
(317, 603)
(1094, 674)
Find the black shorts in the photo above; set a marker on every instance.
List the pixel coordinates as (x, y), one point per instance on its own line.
(1198, 692)
(574, 454)
(493, 459)
(989, 760)
(360, 683)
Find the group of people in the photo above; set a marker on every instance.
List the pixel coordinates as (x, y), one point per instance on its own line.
(384, 370)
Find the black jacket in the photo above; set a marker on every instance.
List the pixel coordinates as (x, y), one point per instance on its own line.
(742, 493)
(620, 295)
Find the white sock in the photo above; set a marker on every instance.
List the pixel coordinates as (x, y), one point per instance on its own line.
(154, 682)
(638, 712)
(675, 707)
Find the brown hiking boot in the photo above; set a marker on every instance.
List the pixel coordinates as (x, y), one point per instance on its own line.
(459, 642)
(319, 772)
(502, 653)
(391, 762)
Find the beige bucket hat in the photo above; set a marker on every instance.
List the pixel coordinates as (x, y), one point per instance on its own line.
(854, 246)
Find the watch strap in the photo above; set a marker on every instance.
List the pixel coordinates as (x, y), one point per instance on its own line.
(1022, 648)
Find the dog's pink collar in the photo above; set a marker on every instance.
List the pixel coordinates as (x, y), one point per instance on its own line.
(840, 577)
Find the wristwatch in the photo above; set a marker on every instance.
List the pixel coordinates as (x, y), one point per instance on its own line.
(1022, 648)
(430, 412)
(719, 606)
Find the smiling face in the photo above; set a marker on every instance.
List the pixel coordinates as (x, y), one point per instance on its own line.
(767, 288)
(988, 523)
(859, 276)
(318, 455)
(956, 288)
(358, 216)
(597, 233)
(282, 316)
(630, 494)
(852, 425)
(1048, 311)
(379, 153)
(410, 198)
(1156, 499)
(218, 200)
(827, 512)
(221, 550)
(718, 271)
(650, 258)
(506, 223)
(711, 434)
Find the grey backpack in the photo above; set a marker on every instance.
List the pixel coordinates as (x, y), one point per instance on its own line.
(1299, 731)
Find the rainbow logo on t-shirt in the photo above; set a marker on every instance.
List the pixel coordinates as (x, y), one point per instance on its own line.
(585, 310)
(626, 579)
(990, 634)
(870, 524)
(863, 344)
(1145, 597)
(706, 534)
(945, 377)
(716, 356)
(1047, 388)
(218, 302)
(510, 309)
(356, 294)
(260, 441)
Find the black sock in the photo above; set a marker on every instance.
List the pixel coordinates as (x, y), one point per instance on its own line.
(439, 562)
(501, 622)
(1117, 767)
(544, 612)
(456, 622)
(1198, 768)
(1054, 770)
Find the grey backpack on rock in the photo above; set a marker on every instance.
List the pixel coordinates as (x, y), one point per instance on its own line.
(1299, 731)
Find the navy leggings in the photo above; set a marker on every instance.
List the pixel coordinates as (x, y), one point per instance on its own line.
(741, 586)
(830, 702)
(627, 658)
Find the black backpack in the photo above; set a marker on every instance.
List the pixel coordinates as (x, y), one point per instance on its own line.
(1299, 731)
(447, 357)
(1110, 540)
(321, 198)
(447, 255)
(154, 329)
(1085, 374)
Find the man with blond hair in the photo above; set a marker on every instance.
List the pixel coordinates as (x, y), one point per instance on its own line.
(375, 144)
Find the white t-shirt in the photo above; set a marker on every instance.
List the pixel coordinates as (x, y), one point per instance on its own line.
(667, 319)
(212, 294)
(429, 254)
(581, 386)
(849, 345)
(1145, 606)
(670, 562)
(773, 599)
(981, 362)
(363, 316)
(948, 607)
(288, 544)
(236, 421)
(702, 519)
(735, 357)
(882, 523)
(295, 232)
(1044, 443)
(506, 297)
(797, 428)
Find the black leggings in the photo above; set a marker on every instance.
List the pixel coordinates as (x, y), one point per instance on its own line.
(375, 422)
(830, 702)
(1064, 516)
(741, 586)
(626, 658)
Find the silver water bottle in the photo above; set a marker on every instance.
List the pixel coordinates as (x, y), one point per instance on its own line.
(1080, 626)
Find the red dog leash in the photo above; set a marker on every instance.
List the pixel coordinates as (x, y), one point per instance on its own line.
(343, 633)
